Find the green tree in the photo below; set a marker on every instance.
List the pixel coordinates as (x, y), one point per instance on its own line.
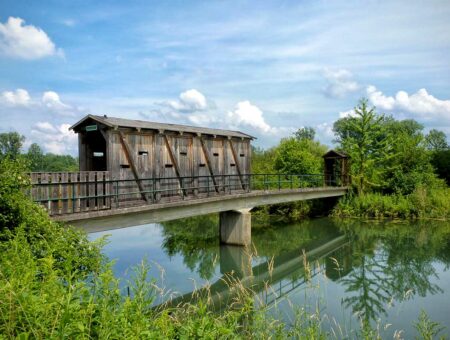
(263, 160)
(36, 157)
(436, 140)
(54, 162)
(411, 166)
(294, 156)
(364, 139)
(10, 144)
(441, 163)
(306, 132)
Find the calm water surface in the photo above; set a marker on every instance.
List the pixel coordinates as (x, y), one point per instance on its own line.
(385, 273)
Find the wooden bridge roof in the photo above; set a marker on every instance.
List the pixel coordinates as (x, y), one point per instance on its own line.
(114, 122)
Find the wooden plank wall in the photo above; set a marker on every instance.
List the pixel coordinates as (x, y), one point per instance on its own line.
(165, 160)
(70, 192)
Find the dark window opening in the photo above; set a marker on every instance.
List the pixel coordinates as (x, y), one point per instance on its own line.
(169, 165)
(215, 154)
(143, 153)
(202, 165)
(98, 154)
(184, 153)
(232, 164)
(242, 155)
(125, 166)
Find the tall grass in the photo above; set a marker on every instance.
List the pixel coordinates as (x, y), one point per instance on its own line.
(422, 203)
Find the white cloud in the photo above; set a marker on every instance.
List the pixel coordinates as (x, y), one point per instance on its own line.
(340, 83)
(51, 100)
(247, 114)
(420, 104)
(20, 97)
(45, 127)
(348, 113)
(57, 139)
(325, 133)
(189, 101)
(25, 41)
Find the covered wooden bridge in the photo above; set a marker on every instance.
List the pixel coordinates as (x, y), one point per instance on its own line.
(168, 171)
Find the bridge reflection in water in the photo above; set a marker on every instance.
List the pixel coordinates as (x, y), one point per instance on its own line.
(273, 277)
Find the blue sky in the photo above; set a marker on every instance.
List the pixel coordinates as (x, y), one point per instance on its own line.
(265, 68)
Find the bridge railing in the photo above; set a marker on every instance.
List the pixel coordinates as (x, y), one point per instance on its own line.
(66, 193)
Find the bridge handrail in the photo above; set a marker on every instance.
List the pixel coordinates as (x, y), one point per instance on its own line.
(65, 194)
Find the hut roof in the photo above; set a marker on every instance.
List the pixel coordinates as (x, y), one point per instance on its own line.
(142, 124)
(335, 154)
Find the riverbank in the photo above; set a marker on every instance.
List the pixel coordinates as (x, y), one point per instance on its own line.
(422, 203)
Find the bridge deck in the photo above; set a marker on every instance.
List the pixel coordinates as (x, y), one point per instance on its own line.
(159, 212)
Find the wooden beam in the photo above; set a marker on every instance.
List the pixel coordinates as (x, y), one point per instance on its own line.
(174, 162)
(208, 162)
(130, 159)
(236, 161)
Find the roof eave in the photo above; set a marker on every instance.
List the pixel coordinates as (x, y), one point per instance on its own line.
(89, 116)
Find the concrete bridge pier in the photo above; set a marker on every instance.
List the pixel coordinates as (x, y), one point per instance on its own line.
(235, 227)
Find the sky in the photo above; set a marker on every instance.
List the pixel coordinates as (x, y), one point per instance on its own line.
(265, 68)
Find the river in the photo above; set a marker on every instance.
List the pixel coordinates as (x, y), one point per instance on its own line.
(381, 272)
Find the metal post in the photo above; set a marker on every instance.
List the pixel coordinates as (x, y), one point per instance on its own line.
(182, 187)
(153, 190)
(279, 182)
(117, 193)
(73, 197)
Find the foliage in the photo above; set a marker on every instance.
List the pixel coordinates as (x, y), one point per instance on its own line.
(70, 251)
(427, 328)
(299, 156)
(49, 162)
(436, 140)
(10, 144)
(364, 139)
(422, 203)
(410, 167)
(440, 160)
(306, 132)
(262, 160)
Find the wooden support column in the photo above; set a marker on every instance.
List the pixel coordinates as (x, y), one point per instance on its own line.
(175, 163)
(236, 161)
(130, 159)
(208, 162)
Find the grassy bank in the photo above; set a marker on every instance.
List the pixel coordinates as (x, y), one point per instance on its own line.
(421, 203)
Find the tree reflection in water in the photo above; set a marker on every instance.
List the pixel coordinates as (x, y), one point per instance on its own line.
(196, 240)
(391, 263)
(383, 264)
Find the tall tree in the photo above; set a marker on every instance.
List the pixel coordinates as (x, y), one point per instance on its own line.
(436, 140)
(10, 144)
(411, 166)
(365, 140)
(293, 156)
(306, 132)
(36, 157)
